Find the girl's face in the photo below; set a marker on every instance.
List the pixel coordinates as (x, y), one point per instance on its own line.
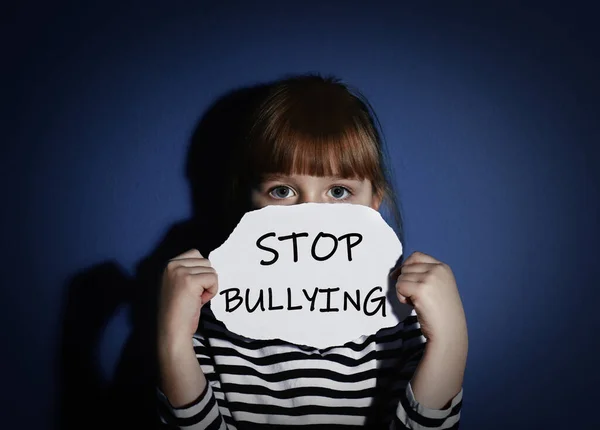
(295, 189)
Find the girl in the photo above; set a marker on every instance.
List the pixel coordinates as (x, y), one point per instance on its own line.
(312, 140)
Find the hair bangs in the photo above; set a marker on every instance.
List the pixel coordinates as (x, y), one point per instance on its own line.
(349, 152)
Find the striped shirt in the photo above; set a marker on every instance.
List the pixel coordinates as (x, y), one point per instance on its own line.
(271, 384)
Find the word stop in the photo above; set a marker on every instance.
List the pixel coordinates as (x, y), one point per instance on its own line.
(327, 241)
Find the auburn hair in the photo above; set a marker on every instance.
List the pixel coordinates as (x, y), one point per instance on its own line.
(314, 125)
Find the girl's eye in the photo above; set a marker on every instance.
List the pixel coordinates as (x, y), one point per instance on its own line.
(339, 192)
(281, 192)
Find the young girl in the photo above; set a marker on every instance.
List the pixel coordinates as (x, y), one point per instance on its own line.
(312, 140)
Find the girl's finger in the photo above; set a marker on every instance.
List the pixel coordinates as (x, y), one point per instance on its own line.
(190, 262)
(210, 290)
(402, 299)
(208, 281)
(208, 294)
(407, 288)
(411, 276)
(200, 270)
(416, 268)
(420, 257)
(191, 253)
(395, 272)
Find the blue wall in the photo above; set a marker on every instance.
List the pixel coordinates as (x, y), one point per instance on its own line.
(491, 115)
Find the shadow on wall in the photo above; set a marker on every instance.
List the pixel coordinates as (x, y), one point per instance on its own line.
(86, 399)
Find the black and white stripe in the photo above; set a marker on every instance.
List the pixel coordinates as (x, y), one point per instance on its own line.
(260, 384)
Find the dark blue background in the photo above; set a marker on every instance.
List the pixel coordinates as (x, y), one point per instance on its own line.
(490, 113)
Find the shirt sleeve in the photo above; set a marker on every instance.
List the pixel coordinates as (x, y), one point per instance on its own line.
(201, 414)
(410, 414)
(208, 411)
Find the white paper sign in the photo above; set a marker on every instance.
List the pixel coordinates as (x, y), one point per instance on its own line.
(313, 274)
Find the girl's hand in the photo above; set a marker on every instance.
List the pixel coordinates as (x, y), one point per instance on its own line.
(429, 286)
(188, 282)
